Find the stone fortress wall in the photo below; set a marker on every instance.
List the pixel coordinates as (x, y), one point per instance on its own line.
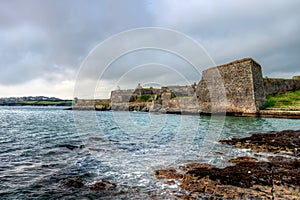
(236, 88)
(161, 99)
(181, 91)
(120, 96)
(91, 104)
(279, 86)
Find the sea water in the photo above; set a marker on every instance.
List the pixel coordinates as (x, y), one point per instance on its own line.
(121, 147)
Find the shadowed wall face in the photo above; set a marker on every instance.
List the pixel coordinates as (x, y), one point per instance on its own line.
(280, 86)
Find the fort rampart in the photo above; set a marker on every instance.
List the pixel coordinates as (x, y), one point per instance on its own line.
(280, 86)
(237, 87)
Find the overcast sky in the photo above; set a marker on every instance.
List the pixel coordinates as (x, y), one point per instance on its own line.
(44, 43)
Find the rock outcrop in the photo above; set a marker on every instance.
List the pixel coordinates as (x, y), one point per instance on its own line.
(249, 178)
(286, 142)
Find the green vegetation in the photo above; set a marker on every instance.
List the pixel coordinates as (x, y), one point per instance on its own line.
(182, 97)
(141, 98)
(47, 103)
(34, 101)
(29, 102)
(145, 98)
(68, 102)
(133, 98)
(289, 100)
(269, 103)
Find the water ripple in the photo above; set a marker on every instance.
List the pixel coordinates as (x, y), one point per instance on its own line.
(125, 148)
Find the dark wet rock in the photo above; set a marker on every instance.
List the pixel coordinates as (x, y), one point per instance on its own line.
(247, 174)
(277, 178)
(72, 147)
(99, 150)
(83, 198)
(168, 174)
(243, 159)
(103, 185)
(99, 139)
(75, 182)
(278, 159)
(78, 182)
(245, 180)
(259, 155)
(49, 165)
(284, 142)
(189, 166)
(170, 182)
(209, 189)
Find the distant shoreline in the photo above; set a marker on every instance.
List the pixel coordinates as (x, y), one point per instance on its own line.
(34, 101)
(41, 105)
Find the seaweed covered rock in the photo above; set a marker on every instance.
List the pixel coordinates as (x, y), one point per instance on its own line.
(263, 180)
(248, 178)
(75, 182)
(168, 174)
(103, 185)
(284, 142)
(243, 159)
(247, 174)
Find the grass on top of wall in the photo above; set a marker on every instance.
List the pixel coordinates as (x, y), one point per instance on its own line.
(287, 100)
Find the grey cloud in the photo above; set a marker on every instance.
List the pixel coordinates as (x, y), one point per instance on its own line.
(58, 33)
(143, 46)
(264, 30)
(50, 39)
(136, 59)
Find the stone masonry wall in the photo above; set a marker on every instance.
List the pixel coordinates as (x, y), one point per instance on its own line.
(259, 91)
(91, 104)
(236, 87)
(182, 105)
(279, 86)
(121, 96)
(181, 91)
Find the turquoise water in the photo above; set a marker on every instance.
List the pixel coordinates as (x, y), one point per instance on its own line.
(121, 147)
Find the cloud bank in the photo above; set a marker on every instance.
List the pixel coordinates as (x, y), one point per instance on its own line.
(43, 43)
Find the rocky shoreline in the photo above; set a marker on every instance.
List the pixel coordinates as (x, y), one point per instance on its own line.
(288, 114)
(279, 113)
(271, 172)
(278, 177)
(271, 114)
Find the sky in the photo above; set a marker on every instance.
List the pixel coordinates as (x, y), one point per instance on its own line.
(45, 46)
